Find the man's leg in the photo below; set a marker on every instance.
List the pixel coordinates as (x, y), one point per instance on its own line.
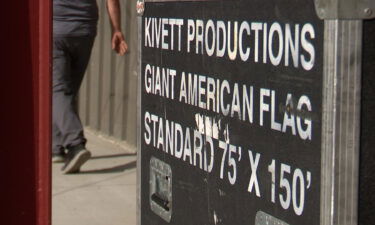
(61, 67)
(70, 126)
(80, 48)
(66, 123)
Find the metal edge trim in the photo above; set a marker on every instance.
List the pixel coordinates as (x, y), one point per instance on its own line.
(341, 122)
(139, 117)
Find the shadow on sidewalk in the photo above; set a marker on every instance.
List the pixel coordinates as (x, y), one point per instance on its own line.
(113, 156)
(115, 169)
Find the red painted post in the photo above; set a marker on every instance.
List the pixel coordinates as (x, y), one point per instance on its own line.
(43, 142)
(25, 112)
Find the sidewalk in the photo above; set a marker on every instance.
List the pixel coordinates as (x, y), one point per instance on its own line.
(103, 193)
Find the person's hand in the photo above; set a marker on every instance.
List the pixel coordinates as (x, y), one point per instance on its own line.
(118, 43)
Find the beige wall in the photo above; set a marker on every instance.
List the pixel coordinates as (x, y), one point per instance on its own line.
(108, 96)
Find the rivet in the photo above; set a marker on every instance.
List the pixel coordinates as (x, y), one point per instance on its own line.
(368, 11)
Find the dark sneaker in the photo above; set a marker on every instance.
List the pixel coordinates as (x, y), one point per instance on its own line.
(58, 157)
(75, 159)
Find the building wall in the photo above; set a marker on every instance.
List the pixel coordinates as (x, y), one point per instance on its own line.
(108, 96)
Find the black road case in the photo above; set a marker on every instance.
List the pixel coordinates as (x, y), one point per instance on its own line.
(250, 112)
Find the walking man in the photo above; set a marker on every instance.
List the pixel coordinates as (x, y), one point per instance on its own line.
(74, 31)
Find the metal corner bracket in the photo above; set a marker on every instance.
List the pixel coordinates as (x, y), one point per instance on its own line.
(345, 9)
(140, 7)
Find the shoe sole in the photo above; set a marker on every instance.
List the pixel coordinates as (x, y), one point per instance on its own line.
(76, 163)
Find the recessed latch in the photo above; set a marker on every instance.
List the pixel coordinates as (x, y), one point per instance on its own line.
(263, 218)
(161, 189)
(345, 9)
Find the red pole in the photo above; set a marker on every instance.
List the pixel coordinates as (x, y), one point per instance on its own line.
(43, 142)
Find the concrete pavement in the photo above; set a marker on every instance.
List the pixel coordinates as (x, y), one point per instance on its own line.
(103, 193)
